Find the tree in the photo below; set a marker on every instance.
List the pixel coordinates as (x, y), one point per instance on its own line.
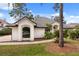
(57, 18)
(19, 10)
(49, 27)
(60, 8)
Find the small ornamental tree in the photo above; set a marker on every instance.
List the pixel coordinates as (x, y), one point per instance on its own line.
(48, 33)
(49, 27)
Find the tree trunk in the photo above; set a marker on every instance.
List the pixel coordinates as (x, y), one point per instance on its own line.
(61, 39)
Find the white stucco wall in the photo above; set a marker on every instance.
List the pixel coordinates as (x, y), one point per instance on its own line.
(34, 32)
(26, 23)
(56, 23)
(39, 32)
(15, 33)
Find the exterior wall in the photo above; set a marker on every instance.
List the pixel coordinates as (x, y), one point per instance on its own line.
(34, 32)
(39, 32)
(26, 23)
(56, 23)
(15, 33)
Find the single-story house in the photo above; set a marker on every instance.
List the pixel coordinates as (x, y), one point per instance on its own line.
(29, 29)
(26, 29)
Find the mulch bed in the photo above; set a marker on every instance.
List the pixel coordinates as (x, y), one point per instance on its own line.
(68, 48)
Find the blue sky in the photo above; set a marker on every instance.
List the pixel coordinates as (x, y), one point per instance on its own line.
(71, 11)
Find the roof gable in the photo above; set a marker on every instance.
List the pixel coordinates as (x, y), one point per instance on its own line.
(23, 18)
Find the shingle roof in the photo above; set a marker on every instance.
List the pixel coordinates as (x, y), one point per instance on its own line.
(39, 21)
(42, 21)
(11, 25)
(70, 25)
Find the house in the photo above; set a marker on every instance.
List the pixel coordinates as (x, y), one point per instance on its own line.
(3, 24)
(70, 25)
(26, 29)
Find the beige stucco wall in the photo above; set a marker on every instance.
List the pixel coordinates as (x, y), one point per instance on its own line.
(39, 32)
(15, 33)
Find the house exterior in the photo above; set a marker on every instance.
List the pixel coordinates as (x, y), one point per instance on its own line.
(3, 24)
(26, 29)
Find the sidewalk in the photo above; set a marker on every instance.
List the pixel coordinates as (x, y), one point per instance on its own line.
(22, 43)
(5, 38)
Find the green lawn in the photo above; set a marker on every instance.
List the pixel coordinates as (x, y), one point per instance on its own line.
(28, 50)
(31, 50)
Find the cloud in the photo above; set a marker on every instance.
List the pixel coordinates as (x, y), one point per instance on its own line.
(1, 15)
(74, 16)
(56, 14)
(72, 19)
(5, 6)
(68, 18)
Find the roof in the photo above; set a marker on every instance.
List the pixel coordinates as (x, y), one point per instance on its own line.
(12, 25)
(24, 17)
(42, 21)
(70, 25)
(39, 21)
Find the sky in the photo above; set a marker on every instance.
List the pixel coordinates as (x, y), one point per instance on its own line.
(70, 11)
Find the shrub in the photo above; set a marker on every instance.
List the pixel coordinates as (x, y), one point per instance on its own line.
(5, 31)
(48, 35)
(72, 34)
(65, 33)
(76, 33)
(56, 35)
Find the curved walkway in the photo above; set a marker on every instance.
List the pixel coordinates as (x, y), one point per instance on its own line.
(22, 43)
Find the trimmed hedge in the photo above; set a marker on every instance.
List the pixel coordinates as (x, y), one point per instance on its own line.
(5, 31)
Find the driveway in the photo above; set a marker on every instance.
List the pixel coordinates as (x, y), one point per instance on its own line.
(5, 38)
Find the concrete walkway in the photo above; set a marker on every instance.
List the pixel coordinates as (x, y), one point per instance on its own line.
(5, 38)
(22, 43)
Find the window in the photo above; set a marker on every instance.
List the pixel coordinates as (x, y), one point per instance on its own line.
(26, 32)
(55, 27)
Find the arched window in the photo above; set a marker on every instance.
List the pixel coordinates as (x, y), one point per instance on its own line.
(55, 27)
(26, 32)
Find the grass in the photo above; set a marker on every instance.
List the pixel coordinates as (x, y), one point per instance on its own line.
(23, 50)
(32, 50)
